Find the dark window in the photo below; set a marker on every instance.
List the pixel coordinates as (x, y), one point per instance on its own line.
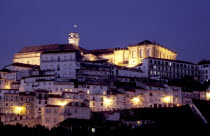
(58, 67)
(117, 72)
(40, 96)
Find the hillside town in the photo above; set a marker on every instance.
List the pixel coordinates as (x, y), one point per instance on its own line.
(48, 84)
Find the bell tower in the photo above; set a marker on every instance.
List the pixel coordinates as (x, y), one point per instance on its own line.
(74, 38)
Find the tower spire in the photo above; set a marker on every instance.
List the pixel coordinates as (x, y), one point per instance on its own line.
(74, 37)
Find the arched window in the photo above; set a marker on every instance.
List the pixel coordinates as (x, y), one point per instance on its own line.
(133, 54)
(64, 66)
(149, 53)
(141, 53)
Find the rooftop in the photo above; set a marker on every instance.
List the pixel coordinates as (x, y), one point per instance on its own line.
(147, 42)
(180, 61)
(54, 96)
(155, 85)
(41, 91)
(102, 51)
(52, 47)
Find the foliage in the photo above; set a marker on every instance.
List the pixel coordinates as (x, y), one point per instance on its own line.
(189, 84)
(204, 62)
(149, 130)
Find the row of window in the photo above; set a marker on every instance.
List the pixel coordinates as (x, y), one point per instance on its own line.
(48, 111)
(174, 64)
(15, 98)
(65, 66)
(58, 58)
(167, 74)
(167, 69)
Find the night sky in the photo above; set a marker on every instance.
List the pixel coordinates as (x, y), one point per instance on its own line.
(181, 25)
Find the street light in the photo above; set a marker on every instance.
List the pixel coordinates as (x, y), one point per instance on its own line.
(19, 109)
(136, 100)
(166, 99)
(62, 103)
(107, 101)
(208, 95)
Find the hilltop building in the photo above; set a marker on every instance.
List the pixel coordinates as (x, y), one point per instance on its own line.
(167, 69)
(129, 56)
(49, 83)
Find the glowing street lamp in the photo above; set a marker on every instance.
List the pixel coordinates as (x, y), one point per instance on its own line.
(136, 100)
(19, 109)
(208, 95)
(166, 99)
(62, 103)
(7, 87)
(107, 101)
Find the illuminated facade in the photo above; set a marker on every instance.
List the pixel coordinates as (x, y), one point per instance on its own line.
(54, 114)
(129, 56)
(156, 68)
(134, 54)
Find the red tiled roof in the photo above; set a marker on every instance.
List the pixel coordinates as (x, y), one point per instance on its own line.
(52, 106)
(41, 91)
(102, 51)
(5, 70)
(55, 96)
(155, 85)
(180, 61)
(52, 47)
(23, 65)
(147, 42)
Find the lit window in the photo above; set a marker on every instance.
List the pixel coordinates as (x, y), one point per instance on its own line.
(149, 53)
(133, 54)
(141, 53)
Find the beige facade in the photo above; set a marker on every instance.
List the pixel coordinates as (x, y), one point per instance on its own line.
(32, 58)
(138, 52)
(129, 56)
(134, 54)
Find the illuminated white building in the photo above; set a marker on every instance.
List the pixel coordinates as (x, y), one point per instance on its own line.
(62, 63)
(204, 72)
(156, 68)
(160, 95)
(53, 114)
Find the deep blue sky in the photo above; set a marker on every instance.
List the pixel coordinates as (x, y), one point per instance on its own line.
(182, 25)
